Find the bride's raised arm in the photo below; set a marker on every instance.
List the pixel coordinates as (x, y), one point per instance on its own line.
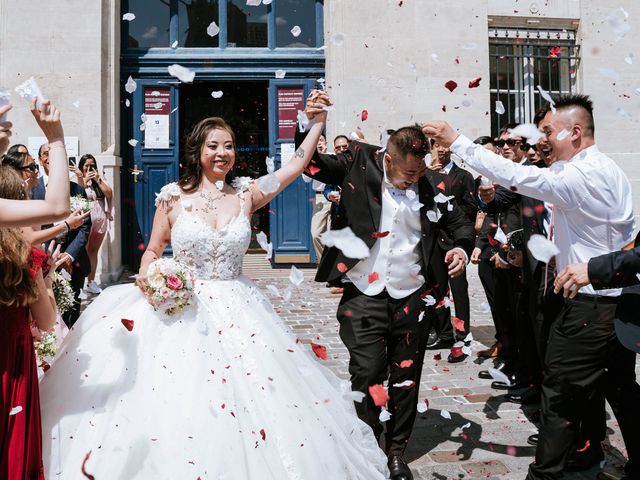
(293, 169)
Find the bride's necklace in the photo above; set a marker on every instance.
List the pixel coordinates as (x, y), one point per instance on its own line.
(210, 198)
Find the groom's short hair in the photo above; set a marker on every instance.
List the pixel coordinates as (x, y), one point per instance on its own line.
(408, 140)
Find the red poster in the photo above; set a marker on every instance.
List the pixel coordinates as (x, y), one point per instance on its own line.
(290, 100)
(157, 101)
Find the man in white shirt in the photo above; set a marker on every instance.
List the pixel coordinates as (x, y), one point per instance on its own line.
(593, 215)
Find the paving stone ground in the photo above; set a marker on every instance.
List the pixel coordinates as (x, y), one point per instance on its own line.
(485, 438)
(493, 446)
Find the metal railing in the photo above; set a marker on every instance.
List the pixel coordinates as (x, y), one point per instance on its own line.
(522, 62)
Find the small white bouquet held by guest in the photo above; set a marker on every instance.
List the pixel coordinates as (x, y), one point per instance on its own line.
(170, 286)
(78, 202)
(63, 291)
(47, 347)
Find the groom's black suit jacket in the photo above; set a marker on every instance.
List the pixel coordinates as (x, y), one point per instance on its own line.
(359, 172)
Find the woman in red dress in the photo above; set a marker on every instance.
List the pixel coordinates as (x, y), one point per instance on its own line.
(25, 294)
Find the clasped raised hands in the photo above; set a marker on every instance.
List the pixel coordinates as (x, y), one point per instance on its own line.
(317, 101)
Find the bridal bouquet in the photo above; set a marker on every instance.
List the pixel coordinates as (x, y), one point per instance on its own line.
(170, 286)
(78, 202)
(63, 292)
(47, 347)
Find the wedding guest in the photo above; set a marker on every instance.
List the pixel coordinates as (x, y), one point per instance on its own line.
(380, 311)
(593, 216)
(19, 159)
(74, 253)
(55, 205)
(459, 184)
(100, 194)
(25, 292)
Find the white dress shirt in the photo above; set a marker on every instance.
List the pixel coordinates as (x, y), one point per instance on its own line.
(394, 260)
(591, 197)
(447, 168)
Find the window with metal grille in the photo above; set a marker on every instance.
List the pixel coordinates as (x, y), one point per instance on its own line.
(522, 63)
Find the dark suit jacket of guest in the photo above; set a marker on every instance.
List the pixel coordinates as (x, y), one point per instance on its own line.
(74, 241)
(461, 185)
(359, 171)
(620, 269)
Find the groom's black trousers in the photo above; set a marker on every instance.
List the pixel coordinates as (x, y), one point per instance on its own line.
(380, 333)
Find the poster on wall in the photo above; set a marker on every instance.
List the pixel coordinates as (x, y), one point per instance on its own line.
(290, 100)
(157, 111)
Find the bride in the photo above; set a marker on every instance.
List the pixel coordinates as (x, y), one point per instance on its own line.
(221, 390)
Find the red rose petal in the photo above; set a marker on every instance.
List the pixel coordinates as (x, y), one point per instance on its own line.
(342, 267)
(406, 309)
(312, 170)
(406, 363)
(475, 82)
(319, 350)
(379, 395)
(451, 85)
(458, 324)
(84, 464)
(444, 108)
(437, 357)
(379, 234)
(364, 115)
(128, 324)
(586, 446)
(373, 277)
(263, 434)
(553, 53)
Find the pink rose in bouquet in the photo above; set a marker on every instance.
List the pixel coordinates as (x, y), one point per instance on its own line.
(174, 282)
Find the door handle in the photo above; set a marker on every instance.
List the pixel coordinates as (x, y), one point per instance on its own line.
(135, 172)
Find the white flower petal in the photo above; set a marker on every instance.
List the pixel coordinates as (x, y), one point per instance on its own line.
(354, 396)
(217, 94)
(422, 407)
(384, 415)
(296, 31)
(500, 236)
(15, 410)
(271, 164)
(528, 131)
(441, 198)
(429, 300)
(128, 17)
(213, 29)
(174, 45)
(542, 249)
(499, 376)
(183, 74)
(345, 241)
(499, 107)
(280, 73)
(133, 142)
(296, 276)
(445, 414)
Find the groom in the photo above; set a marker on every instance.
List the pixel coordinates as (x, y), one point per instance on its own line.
(382, 311)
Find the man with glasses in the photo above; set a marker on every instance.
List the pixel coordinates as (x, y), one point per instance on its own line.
(73, 243)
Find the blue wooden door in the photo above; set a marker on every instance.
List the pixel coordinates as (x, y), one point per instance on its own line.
(292, 209)
(152, 167)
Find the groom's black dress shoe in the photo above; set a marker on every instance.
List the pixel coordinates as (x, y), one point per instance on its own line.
(533, 439)
(399, 469)
(516, 380)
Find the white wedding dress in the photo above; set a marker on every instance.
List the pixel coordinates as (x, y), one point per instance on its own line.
(221, 390)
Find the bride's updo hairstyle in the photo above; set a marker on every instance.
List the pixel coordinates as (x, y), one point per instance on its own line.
(17, 287)
(192, 170)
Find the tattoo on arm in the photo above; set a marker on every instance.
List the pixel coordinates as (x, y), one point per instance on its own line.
(300, 152)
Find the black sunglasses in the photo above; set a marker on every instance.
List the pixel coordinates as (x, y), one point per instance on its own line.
(32, 167)
(510, 141)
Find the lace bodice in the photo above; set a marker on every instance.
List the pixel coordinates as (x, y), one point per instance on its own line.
(211, 254)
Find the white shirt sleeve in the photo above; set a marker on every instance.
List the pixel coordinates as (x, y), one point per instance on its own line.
(562, 184)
